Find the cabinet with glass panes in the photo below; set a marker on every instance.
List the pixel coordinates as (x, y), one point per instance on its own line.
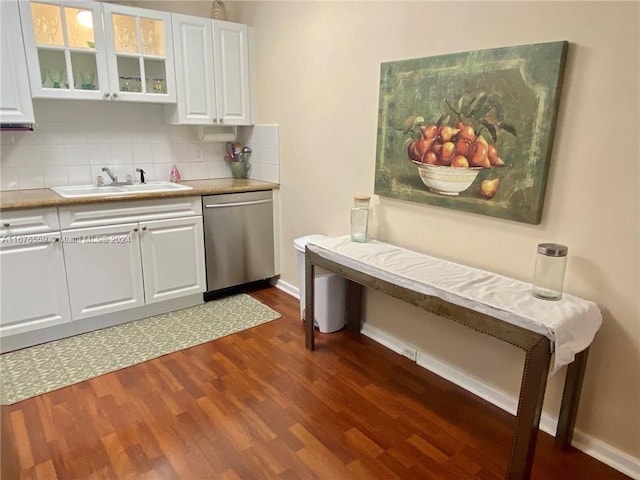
(70, 55)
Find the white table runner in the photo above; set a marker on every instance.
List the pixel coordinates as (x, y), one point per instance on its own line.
(570, 323)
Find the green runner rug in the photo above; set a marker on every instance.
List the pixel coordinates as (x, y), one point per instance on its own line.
(43, 368)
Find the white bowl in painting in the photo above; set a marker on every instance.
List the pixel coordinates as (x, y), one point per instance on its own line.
(447, 180)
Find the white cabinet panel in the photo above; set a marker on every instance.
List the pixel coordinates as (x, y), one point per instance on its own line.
(194, 66)
(232, 72)
(15, 94)
(212, 60)
(113, 213)
(172, 258)
(104, 270)
(34, 288)
(30, 221)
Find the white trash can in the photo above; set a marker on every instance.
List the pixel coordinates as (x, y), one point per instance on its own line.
(330, 291)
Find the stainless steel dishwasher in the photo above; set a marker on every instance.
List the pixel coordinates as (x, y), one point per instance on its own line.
(238, 238)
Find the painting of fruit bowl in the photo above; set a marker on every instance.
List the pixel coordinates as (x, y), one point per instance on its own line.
(471, 131)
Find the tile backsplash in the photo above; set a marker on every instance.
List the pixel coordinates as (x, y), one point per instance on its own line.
(74, 140)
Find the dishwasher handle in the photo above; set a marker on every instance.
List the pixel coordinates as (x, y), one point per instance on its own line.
(238, 204)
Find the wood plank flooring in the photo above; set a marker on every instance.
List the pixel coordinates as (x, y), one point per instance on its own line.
(257, 405)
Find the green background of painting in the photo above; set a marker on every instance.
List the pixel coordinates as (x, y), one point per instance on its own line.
(526, 79)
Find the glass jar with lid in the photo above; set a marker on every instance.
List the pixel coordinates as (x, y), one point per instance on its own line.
(360, 218)
(548, 277)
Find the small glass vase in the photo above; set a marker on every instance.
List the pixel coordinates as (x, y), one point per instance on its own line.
(218, 10)
(240, 169)
(360, 217)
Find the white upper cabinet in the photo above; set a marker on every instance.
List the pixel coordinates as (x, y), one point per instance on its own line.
(15, 95)
(139, 46)
(212, 72)
(231, 51)
(193, 46)
(64, 45)
(69, 55)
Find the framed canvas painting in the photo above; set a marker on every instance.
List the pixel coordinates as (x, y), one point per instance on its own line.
(471, 131)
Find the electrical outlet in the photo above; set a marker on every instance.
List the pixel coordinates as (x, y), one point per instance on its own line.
(410, 353)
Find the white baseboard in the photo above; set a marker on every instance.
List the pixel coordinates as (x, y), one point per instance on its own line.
(287, 288)
(593, 447)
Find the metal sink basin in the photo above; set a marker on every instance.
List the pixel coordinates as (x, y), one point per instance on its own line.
(80, 191)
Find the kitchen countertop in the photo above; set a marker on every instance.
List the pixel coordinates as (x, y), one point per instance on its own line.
(44, 197)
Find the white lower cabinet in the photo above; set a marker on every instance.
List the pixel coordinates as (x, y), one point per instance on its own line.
(34, 288)
(172, 258)
(149, 259)
(82, 267)
(104, 269)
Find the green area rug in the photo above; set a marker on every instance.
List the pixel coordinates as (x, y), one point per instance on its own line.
(43, 368)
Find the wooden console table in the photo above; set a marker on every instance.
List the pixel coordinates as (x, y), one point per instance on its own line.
(537, 346)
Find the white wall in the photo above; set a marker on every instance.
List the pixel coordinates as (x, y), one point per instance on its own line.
(318, 75)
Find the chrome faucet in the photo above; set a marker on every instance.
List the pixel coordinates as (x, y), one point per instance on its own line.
(114, 179)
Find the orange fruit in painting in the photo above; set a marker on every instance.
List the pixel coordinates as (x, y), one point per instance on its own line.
(478, 155)
(494, 159)
(422, 146)
(467, 133)
(429, 158)
(429, 131)
(447, 132)
(462, 146)
(460, 161)
(488, 188)
(482, 140)
(446, 153)
(411, 151)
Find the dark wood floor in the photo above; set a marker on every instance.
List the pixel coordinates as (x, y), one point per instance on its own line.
(258, 405)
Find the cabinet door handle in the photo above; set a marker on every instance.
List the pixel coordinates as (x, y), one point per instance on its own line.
(107, 94)
(56, 240)
(135, 229)
(115, 95)
(215, 120)
(144, 228)
(221, 120)
(6, 225)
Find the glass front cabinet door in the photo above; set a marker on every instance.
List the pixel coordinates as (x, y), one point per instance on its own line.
(64, 45)
(69, 55)
(139, 49)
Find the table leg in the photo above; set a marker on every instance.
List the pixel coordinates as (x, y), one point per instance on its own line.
(309, 284)
(534, 382)
(571, 399)
(354, 306)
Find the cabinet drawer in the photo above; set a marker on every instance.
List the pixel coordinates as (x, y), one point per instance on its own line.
(112, 213)
(30, 221)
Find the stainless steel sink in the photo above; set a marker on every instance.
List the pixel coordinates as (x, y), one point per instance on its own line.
(79, 191)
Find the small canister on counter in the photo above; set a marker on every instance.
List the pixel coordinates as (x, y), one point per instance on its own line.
(548, 278)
